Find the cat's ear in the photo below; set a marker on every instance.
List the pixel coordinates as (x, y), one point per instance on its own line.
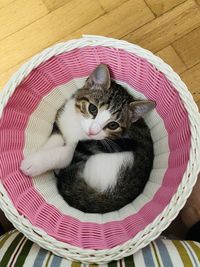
(140, 108)
(100, 77)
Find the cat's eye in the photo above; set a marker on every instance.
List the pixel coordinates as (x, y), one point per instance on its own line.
(93, 109)
(113, 125)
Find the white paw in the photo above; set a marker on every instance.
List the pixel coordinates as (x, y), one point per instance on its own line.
(33, 165)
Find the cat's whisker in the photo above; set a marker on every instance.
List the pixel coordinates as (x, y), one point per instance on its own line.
(111, 145)
(106, 145)
(114, 146)
(103, 143)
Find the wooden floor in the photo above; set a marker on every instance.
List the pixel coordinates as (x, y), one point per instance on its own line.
(169, 28)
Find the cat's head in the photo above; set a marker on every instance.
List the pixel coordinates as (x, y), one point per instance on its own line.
(106, 109)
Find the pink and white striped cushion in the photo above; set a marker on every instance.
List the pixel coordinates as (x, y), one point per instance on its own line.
(27, 121)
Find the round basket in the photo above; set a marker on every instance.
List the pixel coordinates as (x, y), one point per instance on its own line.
(28, 106)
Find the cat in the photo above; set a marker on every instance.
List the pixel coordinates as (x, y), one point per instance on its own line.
(100, 144)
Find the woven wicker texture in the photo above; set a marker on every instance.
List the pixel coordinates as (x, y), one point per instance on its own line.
(28, 106)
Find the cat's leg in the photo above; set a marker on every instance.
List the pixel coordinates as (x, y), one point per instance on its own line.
(55, 140)
(48, 159)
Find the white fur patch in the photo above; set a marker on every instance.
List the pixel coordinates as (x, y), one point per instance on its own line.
(86, 124)
(102, 117)
(94, 127)
(69, 123)
(101, 170)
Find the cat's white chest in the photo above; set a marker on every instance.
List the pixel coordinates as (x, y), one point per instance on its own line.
(101, 170)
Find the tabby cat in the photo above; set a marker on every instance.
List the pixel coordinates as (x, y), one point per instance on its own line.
(101, 146)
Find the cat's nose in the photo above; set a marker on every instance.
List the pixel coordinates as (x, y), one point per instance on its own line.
(95, 128)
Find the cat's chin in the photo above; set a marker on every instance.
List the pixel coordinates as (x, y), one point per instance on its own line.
(94, 137)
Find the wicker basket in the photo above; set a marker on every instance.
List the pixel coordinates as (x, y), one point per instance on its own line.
(28, 105)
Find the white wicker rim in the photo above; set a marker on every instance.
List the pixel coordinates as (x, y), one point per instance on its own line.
(161, 222)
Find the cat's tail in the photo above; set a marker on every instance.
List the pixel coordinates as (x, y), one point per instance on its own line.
(74, 190)
(131, 181)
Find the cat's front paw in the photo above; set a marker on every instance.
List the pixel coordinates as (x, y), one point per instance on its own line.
(33, 165)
